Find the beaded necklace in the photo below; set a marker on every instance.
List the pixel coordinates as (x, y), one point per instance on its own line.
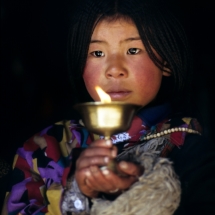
(168, 131)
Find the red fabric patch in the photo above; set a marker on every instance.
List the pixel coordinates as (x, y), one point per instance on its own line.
(53, 148)
(30, 145)
(176, 138)
(33, 188)
(22, 164)
(90, 139)
(136, 127)
(44, 210)
(64, 176)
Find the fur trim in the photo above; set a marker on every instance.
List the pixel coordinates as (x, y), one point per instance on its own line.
(157, 192)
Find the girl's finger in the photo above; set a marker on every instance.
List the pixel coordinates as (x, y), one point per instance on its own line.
(97, 181)
(121, 183)
(92, 161)
(100, 151)
(81, 177)
(106, 181)
(131, 168)
(102, 143)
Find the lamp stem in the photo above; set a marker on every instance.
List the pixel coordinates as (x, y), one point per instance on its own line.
(107, 137)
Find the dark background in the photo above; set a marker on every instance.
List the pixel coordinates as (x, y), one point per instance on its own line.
(35, 90)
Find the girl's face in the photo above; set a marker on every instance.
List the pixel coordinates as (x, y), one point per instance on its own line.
(117, 61)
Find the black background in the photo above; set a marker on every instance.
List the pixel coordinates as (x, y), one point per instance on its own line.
(35, 90)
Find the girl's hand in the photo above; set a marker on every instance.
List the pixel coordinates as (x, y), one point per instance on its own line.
(92, 180)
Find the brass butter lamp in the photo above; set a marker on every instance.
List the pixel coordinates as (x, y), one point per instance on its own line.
(107, 118)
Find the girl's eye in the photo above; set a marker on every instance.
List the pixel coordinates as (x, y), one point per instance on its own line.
(133, 51)
(98, 54)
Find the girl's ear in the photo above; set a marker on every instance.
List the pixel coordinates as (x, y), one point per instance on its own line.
(166, 70)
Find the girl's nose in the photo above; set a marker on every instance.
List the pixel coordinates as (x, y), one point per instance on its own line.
(116, 69)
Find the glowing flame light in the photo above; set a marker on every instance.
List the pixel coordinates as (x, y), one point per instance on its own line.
(104, 97)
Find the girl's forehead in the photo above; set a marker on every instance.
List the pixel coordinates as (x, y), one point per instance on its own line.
(113, 22)
(116, 19)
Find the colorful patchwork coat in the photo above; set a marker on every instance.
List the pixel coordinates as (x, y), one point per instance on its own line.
(41, 167)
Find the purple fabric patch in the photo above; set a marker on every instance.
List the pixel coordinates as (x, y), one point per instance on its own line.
(30, 206)
(15, 196)
(55, 173)
(26, 155)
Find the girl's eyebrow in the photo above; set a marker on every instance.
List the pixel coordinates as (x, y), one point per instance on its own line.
(97, 41)
(125, 40)
(131, 39)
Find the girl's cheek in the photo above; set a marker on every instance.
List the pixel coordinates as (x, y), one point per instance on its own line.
(91, 66)
(91, 77)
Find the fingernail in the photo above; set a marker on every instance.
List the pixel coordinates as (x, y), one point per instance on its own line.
(108, 142)
(113, 153)
(105, 172)
(87, 181)
(93, 169)
(106, 159)
(87, 173)
(123, 165)
(102, 168)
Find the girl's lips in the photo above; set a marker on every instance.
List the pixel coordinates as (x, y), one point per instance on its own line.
(119, 94)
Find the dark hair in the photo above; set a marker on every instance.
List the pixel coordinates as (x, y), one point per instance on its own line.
(158, 29)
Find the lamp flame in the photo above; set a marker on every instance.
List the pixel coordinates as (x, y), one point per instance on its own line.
(104, 97)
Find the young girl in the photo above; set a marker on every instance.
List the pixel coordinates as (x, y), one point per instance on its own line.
(137, 52)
